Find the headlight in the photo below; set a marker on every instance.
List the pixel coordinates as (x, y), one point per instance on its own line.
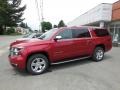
(15, 50)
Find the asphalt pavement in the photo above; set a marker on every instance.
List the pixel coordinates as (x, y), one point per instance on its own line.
(79, 75)
(5, 42)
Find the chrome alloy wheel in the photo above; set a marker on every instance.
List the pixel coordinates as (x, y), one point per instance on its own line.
(38, 65)
(99, 54)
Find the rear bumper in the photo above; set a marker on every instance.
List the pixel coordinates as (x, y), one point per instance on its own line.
(17, 61)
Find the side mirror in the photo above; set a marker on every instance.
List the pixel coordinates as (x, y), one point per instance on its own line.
(58, 38)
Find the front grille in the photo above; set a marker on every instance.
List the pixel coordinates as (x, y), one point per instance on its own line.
(11, 53)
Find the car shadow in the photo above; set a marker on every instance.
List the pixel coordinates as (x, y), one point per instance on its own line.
(20, 72)
(76, 63)
(62, 66)
(107, 57)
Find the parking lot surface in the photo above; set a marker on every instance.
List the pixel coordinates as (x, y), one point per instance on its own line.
(79, 75)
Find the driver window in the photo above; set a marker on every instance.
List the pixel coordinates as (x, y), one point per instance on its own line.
(65, 34)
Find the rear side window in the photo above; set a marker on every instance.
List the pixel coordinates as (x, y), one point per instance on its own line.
(101, 32)
(81, 33)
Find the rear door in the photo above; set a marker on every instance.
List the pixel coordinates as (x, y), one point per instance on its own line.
(82, 41)
(104, 37)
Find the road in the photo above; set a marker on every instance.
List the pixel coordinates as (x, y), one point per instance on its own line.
(5, 41)
(80, 75)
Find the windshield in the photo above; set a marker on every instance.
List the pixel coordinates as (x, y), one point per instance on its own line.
(47, 35)
(29, 35)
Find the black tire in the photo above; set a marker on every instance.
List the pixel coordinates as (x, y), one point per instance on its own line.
(98, 57)
(37, 61)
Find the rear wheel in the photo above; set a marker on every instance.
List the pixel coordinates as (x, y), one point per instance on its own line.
(37, 64)
(98, 54)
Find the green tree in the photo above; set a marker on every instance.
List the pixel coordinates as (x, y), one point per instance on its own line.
(55, 26)
(30, 30)
(10, 31)
(61, 24)
(46, 26)
(3, 7)
(11, 13)
(24, 25)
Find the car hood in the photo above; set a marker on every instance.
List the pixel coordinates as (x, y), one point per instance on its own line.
(22, 39)
(31, 42)
(18, 41)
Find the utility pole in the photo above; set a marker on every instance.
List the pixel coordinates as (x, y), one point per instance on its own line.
(37, 7)
(41, 9)
(41, 18)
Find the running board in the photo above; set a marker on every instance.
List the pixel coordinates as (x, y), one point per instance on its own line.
(70, 60)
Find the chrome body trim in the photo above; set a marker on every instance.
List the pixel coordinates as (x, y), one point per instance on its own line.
(70, 60)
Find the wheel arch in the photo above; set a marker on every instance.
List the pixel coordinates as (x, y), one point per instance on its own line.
(38, 52)
(101, 45)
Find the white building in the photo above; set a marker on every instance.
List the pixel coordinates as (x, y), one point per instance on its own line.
(22, 30)
(98, 16)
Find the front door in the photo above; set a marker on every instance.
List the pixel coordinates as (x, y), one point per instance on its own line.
(63, 48)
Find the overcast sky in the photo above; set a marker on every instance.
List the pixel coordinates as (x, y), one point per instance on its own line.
(55, 10)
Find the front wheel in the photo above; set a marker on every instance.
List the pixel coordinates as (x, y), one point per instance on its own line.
(98, 54)
(37, 64)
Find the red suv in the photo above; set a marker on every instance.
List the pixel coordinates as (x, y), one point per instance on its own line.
(59, 46)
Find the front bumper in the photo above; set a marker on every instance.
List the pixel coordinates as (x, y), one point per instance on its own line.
(18, 62)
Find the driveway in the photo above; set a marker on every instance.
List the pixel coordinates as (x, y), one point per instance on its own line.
(79, 75)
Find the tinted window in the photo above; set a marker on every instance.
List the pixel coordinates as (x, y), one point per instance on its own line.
(37, 35)
(101, 32)
(80, 33)
(66, 34)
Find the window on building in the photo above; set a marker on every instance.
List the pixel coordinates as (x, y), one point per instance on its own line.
(112, 32)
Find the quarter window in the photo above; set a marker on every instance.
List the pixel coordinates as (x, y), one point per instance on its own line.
(101, 32)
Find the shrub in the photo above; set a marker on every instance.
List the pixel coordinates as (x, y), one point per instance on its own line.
(10, 31)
